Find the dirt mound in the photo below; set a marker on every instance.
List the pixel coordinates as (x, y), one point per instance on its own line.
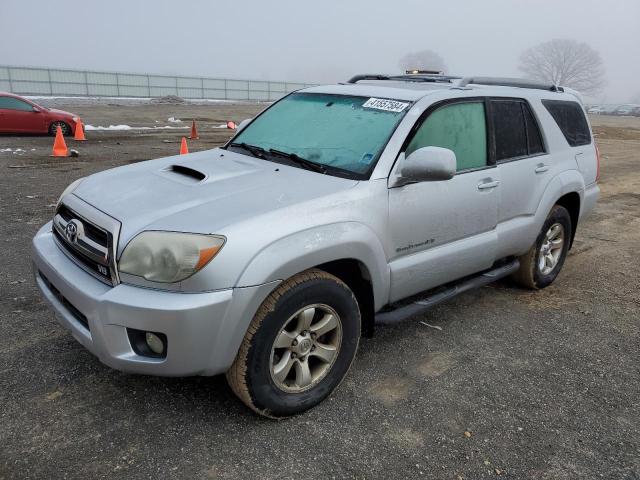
(169, 99)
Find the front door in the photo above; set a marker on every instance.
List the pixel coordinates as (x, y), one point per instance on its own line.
(444, 230)
(17, 116)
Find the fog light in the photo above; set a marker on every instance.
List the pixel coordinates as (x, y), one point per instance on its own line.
(154, 342)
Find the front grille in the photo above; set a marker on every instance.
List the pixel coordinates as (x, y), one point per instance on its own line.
(97, 234)
(77, 314)
(87, 244)
(103, 272)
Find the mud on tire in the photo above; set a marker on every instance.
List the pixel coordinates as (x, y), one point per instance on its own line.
(252, 376)
(534, 272)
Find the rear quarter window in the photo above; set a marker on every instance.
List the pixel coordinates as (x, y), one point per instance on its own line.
(570, 118)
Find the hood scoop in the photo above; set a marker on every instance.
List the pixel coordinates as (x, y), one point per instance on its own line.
(184, 173)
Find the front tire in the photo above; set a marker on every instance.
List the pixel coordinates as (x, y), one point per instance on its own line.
(540, 266)
(65, 127)
(299, 346)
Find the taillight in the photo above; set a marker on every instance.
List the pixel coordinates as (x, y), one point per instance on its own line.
(597, 162)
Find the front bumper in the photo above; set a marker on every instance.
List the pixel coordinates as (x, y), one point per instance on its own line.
(204, 330)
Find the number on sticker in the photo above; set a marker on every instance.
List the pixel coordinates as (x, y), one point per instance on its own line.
(386, 105)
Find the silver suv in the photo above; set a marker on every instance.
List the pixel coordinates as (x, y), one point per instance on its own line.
(338, 207)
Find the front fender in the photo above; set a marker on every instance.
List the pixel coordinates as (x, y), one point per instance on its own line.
(308, 248)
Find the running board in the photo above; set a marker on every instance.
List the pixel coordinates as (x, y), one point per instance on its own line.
(422, 305)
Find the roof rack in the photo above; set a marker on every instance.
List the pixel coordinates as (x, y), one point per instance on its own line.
(509, 82)
(410, 77)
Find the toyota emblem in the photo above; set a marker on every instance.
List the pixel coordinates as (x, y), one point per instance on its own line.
(71, 231)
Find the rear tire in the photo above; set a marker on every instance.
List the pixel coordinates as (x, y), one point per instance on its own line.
(65, 127)
(540, 266)
(299, 346)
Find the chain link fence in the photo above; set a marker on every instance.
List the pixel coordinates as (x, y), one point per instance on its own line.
(63, 82)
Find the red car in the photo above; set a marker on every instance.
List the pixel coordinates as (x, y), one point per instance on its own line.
(19, 115)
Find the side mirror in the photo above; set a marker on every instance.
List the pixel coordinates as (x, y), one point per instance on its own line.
(427, 164)
(36, 110)
(243, 124)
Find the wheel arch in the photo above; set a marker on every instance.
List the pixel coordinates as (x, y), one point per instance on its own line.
(357, 277)
(351, 251)
(566, 190)
(571, 201)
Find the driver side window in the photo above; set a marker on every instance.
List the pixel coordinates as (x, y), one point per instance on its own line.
(10, 103)
(460, 127)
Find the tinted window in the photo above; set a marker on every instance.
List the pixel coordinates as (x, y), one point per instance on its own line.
(460, 127)
(570, 118)
(534, 138)
(509, 129)
(11, 103)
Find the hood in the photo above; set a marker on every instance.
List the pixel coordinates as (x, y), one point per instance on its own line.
(201, 192)
(61, 113)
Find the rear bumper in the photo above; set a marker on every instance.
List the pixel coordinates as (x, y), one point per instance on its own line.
(203, 330)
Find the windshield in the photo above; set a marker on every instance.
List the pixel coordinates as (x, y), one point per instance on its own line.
(344, 134)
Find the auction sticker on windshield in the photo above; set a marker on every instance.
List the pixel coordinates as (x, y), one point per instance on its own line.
(386, 105)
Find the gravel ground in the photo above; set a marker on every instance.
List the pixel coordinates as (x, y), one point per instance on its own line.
(512, 383)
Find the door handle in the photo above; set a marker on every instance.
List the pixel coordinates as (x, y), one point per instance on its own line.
(541, 168)
(487, 185)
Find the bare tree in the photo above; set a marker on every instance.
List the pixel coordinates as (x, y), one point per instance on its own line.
(565, 62)
(422, 60)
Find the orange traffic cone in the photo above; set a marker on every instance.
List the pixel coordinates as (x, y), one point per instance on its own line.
(194, 131)
(231, 125)
(79, 133)
(59, 147)
(183, 147)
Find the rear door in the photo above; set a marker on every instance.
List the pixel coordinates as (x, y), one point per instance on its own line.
(443, 230)
(18, 116)
(525, 166)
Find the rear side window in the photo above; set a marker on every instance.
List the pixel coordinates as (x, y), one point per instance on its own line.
(509, 129)
(460, 127)
(516, 132)
(570, 118)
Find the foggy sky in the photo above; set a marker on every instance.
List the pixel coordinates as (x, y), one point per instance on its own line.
(314, 42)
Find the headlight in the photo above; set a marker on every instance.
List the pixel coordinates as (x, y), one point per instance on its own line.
(168, 257)
(69, 189)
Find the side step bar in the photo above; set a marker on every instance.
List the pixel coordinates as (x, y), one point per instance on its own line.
(425, 303)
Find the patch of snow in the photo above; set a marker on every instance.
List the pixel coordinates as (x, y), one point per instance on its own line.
(224, 125)
(110, 127)
(129, 127)
(174, 120)
(12, 150)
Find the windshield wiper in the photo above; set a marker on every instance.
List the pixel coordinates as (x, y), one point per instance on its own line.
(252, 149)
(303, 162)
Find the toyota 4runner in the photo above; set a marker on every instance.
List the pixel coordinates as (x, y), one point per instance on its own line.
(336, 208)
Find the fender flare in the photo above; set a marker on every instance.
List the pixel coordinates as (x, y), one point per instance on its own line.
(308, 248)
(569, 181)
